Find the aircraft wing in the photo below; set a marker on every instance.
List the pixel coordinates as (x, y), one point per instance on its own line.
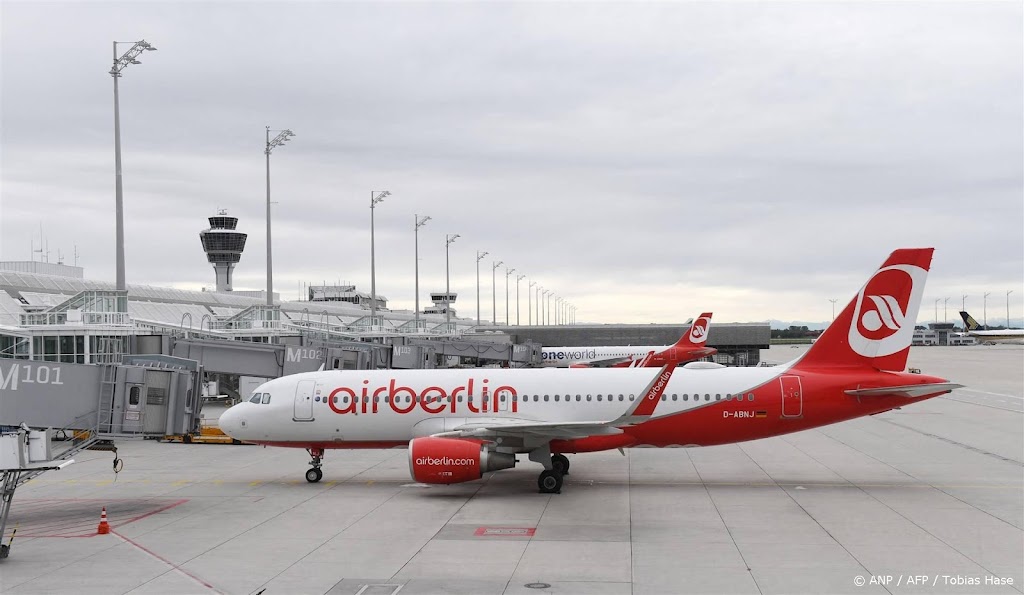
(638, 411)
(911, 391)
(547, 430)
(607, 362)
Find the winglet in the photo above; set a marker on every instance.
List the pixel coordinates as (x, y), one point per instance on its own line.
(643, 408)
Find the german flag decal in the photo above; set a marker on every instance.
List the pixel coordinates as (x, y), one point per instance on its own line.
(760, 414)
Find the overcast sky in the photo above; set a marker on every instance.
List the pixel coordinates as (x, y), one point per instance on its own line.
(645, 161)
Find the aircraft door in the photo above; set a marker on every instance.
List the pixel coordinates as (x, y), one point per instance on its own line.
(304, 401)
(792, 396)
(155, 398)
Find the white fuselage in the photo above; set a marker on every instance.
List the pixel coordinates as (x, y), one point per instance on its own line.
(356, 406)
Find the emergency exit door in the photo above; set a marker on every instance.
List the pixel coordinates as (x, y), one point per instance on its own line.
(304, 401)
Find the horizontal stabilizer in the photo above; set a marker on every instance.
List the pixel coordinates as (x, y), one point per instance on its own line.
(911, 391)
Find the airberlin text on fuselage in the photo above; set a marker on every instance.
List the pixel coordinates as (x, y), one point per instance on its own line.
(433, 399)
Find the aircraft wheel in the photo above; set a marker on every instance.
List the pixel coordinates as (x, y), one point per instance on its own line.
(561, 463)
(314, 475)
(550, 482)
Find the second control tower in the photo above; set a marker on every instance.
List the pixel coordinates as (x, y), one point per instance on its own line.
(223, 246)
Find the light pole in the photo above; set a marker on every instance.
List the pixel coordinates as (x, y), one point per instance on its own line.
(448, 240)
(1008, 308)
(945, 309)
(494, 293)
(833, 308)
(129, 57)
(529, 304)
(508, 272)
(518, 279)
(547, 306)
(419, 223)
(541, 294)
(479, 256)
(984, 308)
(376, 196)
(963, 304)
(281, 138)
(937, 300)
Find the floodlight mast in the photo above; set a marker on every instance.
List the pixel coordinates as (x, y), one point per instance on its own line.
(494, 293)
(420, 222)
(375, 197)
(448, 240)
(279, 140)
(120, 63)
(479, 256)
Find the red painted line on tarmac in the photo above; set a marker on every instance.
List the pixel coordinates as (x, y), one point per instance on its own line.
(168, 562)
(66, 523)
(158, 510)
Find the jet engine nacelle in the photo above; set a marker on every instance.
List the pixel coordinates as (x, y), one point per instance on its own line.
(451, 460)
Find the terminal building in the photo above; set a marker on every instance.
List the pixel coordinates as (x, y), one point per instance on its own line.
(51, 313)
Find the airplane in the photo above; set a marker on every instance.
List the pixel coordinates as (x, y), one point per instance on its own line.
(688, 348)
(1010, 335)
(460, 424)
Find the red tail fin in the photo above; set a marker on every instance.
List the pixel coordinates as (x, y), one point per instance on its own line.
(876, 328)
(698, 332)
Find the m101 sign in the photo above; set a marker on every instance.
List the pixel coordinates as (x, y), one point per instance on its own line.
(52, 394)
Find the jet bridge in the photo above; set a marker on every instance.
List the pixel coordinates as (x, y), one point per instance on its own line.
(145, 396)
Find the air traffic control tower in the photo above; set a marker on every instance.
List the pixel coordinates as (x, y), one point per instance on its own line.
(223, 246)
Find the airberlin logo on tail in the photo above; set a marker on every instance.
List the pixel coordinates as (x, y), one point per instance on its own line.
(882, 323)
(699, 331)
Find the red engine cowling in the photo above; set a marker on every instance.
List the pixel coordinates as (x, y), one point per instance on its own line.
(451, 460)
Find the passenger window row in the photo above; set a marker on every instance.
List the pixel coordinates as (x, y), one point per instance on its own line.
(535, 398)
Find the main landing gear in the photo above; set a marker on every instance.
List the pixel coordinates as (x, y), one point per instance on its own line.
(550, 480)
(315, 474)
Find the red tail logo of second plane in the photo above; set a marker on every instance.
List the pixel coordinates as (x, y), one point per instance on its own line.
(699, 332)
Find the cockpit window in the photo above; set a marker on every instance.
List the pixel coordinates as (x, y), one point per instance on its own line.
(266, 398)
(255, 398)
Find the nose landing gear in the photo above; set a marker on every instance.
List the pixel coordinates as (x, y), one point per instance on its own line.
(315, 474)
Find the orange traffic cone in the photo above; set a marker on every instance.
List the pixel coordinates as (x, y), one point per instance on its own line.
(104, 527)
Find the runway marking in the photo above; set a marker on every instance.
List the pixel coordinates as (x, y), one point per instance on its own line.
(984, 392)
(173, 566)
(950, 441)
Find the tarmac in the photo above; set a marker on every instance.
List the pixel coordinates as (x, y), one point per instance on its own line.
(926, 499)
